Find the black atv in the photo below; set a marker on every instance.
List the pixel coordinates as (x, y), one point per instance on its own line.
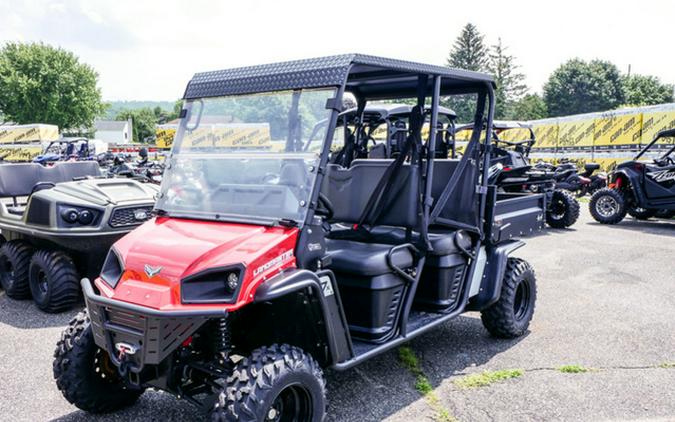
(512, 172)
(642, 189)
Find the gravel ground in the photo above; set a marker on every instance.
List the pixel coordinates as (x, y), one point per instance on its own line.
(606, 302)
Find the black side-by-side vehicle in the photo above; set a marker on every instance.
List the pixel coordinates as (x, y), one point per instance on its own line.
(643, 189)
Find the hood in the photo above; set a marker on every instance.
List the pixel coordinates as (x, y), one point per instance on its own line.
(108, 191)
(180, 247)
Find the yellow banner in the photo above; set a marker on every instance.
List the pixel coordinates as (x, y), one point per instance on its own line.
(616, 128)
(654, 121)
(546, 135)
(20, 153)
(238, 135)
(16, 134)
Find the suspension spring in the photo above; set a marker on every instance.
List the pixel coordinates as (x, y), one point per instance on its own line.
(221, 341)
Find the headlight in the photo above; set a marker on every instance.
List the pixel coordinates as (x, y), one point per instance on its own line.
(73, 216)
(233, 281)
(112, 269)
(217, 285)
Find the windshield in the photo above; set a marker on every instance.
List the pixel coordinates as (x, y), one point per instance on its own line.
(243, 158)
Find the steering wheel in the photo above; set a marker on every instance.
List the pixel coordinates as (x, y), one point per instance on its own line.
(324, 207)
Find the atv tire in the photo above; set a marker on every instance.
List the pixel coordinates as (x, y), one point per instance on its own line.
(14, 263)
(84, 373)
(641, 213)
(510, 316)
(607, 206)
(279, 382)
(53, 281)
(563, 211)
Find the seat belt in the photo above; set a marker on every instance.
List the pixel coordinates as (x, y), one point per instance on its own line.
(375, 204)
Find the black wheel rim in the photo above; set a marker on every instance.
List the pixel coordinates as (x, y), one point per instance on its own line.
(557, 209)
(42, 282)
(292, 404)
(521, 303)
(7, 271)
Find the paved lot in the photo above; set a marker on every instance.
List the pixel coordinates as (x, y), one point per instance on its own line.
(606, 301)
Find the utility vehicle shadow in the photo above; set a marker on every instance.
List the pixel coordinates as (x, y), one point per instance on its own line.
(382, 386)
(23, 314)
(372, 391)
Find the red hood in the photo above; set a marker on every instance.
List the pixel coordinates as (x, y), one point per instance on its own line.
(184, 247)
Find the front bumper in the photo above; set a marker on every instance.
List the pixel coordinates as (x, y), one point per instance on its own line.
(135, 336)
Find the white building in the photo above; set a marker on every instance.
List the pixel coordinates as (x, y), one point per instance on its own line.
(114, 131)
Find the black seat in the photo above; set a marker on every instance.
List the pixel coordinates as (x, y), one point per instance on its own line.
(442, 243)
(366, 259)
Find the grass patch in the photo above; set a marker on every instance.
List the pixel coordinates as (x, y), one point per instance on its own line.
(423, 385)
(483, 379)
(586, 199)
(667, 365)
(573, 369)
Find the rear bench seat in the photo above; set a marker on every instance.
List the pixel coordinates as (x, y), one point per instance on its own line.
(19, 180)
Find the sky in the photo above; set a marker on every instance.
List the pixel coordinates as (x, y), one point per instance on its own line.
(148, 50)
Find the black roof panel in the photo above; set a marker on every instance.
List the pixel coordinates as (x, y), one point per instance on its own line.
(369, 76)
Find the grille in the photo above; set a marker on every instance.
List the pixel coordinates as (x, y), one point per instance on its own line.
(126, 319)
(123, 217)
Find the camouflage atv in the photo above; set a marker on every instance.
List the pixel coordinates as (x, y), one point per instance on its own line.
(57, 226)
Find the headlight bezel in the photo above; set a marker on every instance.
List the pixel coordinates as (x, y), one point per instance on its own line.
(113, 268)
(210, 286)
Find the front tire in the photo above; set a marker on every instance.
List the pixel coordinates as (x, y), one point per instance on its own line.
(607, 206)
(53, 281)
(563, 210)
(84, 373)
(14, 263)
(276, 383)
(510, 316)
(641, 213)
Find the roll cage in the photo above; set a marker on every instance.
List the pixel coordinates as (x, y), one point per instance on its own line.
(371, 79)
(668, 133)
(499, 126)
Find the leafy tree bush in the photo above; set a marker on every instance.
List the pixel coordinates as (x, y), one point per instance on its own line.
(43, 84)
(643, 90)
(578, 86)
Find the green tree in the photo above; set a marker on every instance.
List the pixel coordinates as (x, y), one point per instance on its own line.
(578, 86)
(144, 122)
(643, 90)
(43, 84)
(530, 107)
(510, 82)
(470, 53)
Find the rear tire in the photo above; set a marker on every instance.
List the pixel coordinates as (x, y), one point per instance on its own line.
(510, 316)
(563, 210)
(14, 263)
(607, 206)
(641, 213)
(279, 382)
(54, 281)
(84, 373)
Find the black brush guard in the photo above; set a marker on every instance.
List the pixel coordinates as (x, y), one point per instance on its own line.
(135, 336)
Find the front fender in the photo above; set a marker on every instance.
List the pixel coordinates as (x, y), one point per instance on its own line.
(323, 287)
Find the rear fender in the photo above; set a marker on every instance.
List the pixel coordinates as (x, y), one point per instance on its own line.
(491, 285)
